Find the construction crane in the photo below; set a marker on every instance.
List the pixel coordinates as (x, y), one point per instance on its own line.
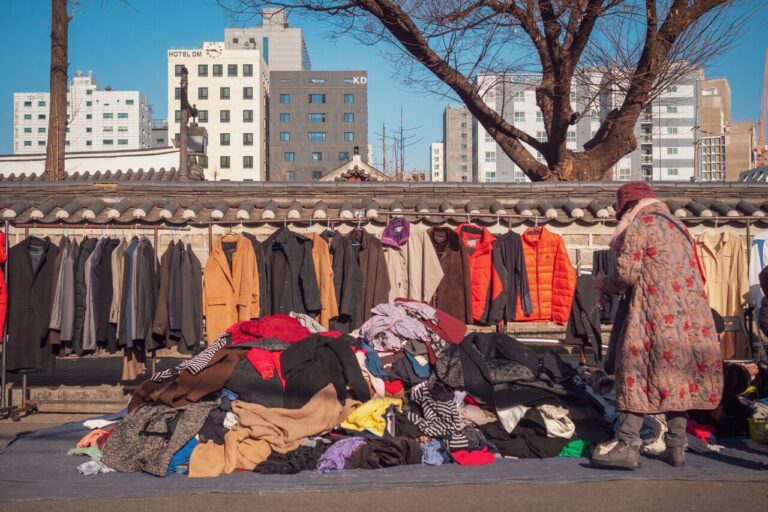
(762, 148)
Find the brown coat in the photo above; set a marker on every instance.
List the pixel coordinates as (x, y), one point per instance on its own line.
(454, 293)
(230, 296)
(321, 257)
(376, 282)
(668, 357)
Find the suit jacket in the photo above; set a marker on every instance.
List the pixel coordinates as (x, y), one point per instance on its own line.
(291, 277)
(454, 293)
(55, 323)
(261, 263)
(102, 279)
(117, 281)
(146, 294)
(230, 294)
(86, 248)
(347, 281)
(68, 295)
(29, 310)
(376, 283)
(160, 322)
(191, 281)
(176, 296)
(197, 299)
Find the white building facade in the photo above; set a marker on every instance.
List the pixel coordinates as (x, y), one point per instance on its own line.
(281, 45)
(437, 161)
(98, 119)
(665, 131)
(229, 87)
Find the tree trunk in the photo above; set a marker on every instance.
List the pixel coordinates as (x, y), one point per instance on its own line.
(57, 114)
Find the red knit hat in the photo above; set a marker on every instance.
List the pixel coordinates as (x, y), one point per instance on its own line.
(629, 193)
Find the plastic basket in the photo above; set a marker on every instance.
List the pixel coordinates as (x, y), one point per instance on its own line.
(758, 430)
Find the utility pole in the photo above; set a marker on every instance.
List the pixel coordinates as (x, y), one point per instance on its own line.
(384, 147)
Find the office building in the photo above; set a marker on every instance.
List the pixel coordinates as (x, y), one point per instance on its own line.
(160, 134)
(317, 119)
(437, 161)
(229, 87)
(281, 45)
(98, 119)
(459, 145)
(740, 149)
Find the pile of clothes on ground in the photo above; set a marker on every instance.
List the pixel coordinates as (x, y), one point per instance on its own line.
(411, 386)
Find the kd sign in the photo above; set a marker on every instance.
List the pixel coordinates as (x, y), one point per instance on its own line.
(359, 80)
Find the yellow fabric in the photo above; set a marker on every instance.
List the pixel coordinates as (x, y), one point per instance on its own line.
(724, 259)
(370, 415)
(321, 257)
(263, 430)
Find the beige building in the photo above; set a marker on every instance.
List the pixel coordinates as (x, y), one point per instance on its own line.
(459, 145)
(741, 154)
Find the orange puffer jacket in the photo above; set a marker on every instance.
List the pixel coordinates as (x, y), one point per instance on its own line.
(551, 277)
(485, 281)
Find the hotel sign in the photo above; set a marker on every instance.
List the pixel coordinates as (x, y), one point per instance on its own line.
(184, 53)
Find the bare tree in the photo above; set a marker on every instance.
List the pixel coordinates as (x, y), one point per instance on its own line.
(635, 48)
(57, 113)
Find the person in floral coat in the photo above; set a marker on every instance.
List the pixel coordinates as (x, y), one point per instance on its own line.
(668, 355)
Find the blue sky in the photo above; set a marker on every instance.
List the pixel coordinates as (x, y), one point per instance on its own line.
(125, 44)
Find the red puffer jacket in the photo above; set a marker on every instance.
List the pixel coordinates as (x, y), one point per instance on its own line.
(551, 277)
(485, 281)
(3, 288)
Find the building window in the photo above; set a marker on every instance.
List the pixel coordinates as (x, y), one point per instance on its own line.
(541, 136)
(672, 89)
(108, 115)
(247, 139)
(247, 69)
(122, 115)
(289, 156)
(28, 130)
(248, 162)
(107, 142)
(41, 143)
(316, 175)
(290, 175)
(122, 142)
(88, 130)
(202, 93)
(464, 158)
(28, 143)
(41, 103)
(349, 136)
(89, 143)
(217, 70)
(344, 156)
(88, 116)
(41, 117)
(224, 93)
(28, 104)
(89, 92)
(518, 96)
(177, 93)
(285, 136)
(316, 118)
(671, 130)
(519, 117)
(672, 172)
(235, 40)
(247, 93)
(28, 117)
(349, 117)
(231, 69)
(224, 139)
(202, 70)
(317, 98)
(316, 136)
(203, 161)
(463, 125)
(317, 156)
(349, 99)
(224, 116)
(285, 117)
(671, 151)
(224, 162)
(88, 103)
(671, 110)
(247, 116)
(285, 98)
(41, 130)
(490, 157)
(108, 129)
(202, 116)
(571, 136)
(177, 69)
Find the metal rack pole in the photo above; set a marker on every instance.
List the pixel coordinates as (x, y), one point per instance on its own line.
(4, 338)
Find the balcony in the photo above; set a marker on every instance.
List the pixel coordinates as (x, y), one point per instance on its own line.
(646, 117)
(646, 138)
(647, 159)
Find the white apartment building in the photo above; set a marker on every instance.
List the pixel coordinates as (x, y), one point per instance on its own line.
(665, 130)
(437, 161)
(281, 45)
(98, 119)
(229, 87)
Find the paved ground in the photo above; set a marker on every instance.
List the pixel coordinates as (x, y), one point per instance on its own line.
(610, 496)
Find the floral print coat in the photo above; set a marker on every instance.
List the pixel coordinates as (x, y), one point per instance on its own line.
(668, 358)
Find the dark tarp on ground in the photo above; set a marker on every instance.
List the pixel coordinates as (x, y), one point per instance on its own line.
(35, 466)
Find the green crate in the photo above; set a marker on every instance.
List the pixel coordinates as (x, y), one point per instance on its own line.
(758, 430)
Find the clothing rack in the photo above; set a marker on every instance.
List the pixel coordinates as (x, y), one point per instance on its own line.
(359, 218)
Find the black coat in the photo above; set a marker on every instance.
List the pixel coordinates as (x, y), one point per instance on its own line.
(604, 262)
(584, 320)
(101, 280)
(86, 248)
(369, 254)
(509, 260)
(314, 362)
(291, 277)
(176, 295)
(261, 263)
(29, 305)
(348, 281)
(148, 286)
(762, 319)
(192, 298)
